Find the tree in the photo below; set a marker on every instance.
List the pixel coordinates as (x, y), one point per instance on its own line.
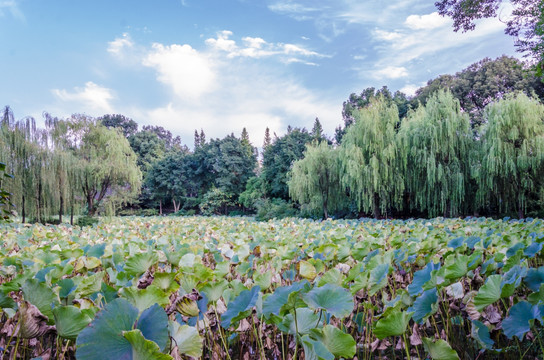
(117, 121)
(317, 131)
(167, 180)
(255, 191)
(5, 202)
(231, 163)
(149, 147)
(278, 158)
(267, 139)
(526, 24)
(315, 180)
(512, 154)
(436, 141)
(170, 141)
(481, 83)
(107, 166)
(369, 158)
(356, 102)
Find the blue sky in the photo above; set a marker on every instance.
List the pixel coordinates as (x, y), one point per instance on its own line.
(222, 65)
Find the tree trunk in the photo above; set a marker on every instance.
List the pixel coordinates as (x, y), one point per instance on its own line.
(160, 207)
(72, 215)
(61, 208)
(23, 212)
(376, 206)
(520, 212)
(325, 206)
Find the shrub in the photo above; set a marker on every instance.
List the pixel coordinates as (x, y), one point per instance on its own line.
(275, 209)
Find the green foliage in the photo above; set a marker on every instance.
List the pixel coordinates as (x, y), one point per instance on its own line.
(482, 83)
(512, 154)
(87, 221)
(316, 179)
(275, 208)
(5, 202)
(278, 158)
(437, 142)
(255, 191)
(216, 202)
(370, 161)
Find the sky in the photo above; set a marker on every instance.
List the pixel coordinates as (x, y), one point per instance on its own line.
(222, 65)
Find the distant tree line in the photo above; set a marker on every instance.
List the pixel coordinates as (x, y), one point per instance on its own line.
(464, 144)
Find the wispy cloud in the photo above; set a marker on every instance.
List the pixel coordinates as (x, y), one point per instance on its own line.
(12, 7)
(254, 47)
(92, 98)
(120, 44)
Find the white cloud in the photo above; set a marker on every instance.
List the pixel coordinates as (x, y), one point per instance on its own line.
(426, 22)
(225, 87)
(13, 8)
(93, 97)
(410, 89)
(119, 45)
(188, 72)
(386, 35)
(254, 47)
(391, 72)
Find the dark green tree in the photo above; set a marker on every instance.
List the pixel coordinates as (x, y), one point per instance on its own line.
(267, 139)
(278, 159)
(112, 121)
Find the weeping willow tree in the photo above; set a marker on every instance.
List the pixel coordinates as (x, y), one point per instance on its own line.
(105, 167)
(435, 142)
(512, 154)
(24, 148)
(315, 179)
(369, 158)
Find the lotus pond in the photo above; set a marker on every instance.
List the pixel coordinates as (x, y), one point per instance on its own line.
(234, 288)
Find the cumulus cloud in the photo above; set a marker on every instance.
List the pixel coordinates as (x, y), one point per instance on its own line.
(93, 97)
(226, 86)
(189, 73)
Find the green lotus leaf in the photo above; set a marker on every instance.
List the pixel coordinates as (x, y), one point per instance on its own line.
(519, 319)
(378, 278)
(70, 321)
(143, 349)
(263, 280)
(144, 298)
(489, 292)
(394, 324)
(165, 281)
(6, 302)
(140, 263)
(277, 301)
(307, 270)
(332, 298)
(187, 339)
(215, 289)
(457, 267)
(41, 296)
(237, 307)
(315, 349)
(439, 349)
(333, 276)
(307, 319)
(338, 343)
(480, 333)
(103, 338)
(425, 305)
(153, 323)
